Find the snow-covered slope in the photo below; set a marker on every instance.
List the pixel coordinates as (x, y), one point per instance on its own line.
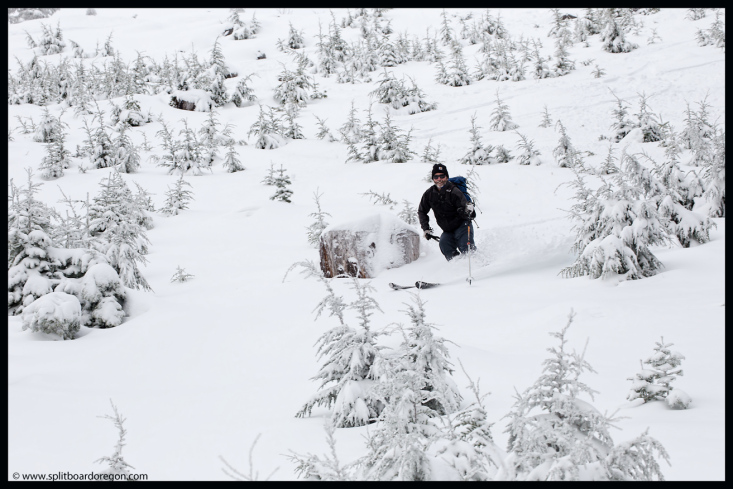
(200, 368)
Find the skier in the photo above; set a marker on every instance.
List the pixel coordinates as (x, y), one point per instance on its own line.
(452, 211)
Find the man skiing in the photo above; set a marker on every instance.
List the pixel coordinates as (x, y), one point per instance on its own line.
(452, 211)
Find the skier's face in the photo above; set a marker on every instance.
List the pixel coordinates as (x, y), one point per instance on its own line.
(440, 179)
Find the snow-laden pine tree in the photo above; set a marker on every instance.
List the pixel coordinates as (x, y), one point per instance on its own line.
(32, 273)
(415, 387)
(648, 122)
(292, 129)
(282, 189)
(501, 120)
(530, 155)
(653, 383)
(49, 128)
(177, 198)
(55, 313)
(243, 95)
(296, 87)
(478, 154)
(431, 154)
(114, 225)
(613, 37)
(125, 157)
(323, 131)
(621, 125)
(316, 229)
(26, 213)
(351, 131)
(267, 129)
(210, 140)
(669, 195)
(57, 158)
(349, 371)
(232, 162)
(116, 464)
(713, 177)
(615, 226)
(556, 435)
(565, 153)
(393, 145)
(546, 119)
(466, 444)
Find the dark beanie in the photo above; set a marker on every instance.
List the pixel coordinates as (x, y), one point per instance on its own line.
(438, 168)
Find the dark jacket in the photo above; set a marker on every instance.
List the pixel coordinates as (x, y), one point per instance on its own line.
(448, 204)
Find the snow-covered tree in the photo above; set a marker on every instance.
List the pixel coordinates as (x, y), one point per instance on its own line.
(478, 154)
(267, 129)
(26, 213)
(32, 273)
(243, 95)
(653, 383)
(316, 229)
(181, 275)
(565, 153)
(292, 129)
(116, 462)
(348, 374)
(546, 119)
(125, 156)
(393, 144)
(713, 177)
(282, 183)
(55, 313)
(49, 128)
(296, 87)
(114, 223)
(431, 154)
(231, 160)
(648, 122)
(615, 226)
(57, 158)
(530, 155)
(613, 38)
(555, 435)
(177, 198)
(323, 131)
(351, 131)
(621, 125)
(500, 118)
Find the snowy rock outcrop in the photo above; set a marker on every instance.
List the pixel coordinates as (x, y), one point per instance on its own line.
(366, 246)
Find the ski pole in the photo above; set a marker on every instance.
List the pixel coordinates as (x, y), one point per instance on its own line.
(468, 242)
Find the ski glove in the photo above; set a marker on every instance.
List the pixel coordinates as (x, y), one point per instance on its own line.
(469, 210)
(428, 233)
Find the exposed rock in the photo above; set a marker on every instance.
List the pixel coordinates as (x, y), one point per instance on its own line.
(364, 247)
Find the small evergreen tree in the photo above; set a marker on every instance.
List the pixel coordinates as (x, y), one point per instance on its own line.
(569, 439)
(622, 125)
(500, 119)
(564, 153)
(116, 462)
(243, 95)
(653, 383)
(529, 153)
(613, 38)
(478, 154)
(125, 156)
(349, 371)
(323, 131)
(181, 275)
(282, 181)
(231, 161)
(57, 158)
(546, 120)
(316, 229)
(177, 198)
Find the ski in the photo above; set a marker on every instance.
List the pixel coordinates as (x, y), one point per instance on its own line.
(419, 285)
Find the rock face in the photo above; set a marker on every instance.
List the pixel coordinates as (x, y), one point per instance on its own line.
(364, 247)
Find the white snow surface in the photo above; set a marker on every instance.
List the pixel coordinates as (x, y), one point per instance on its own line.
(199, 369)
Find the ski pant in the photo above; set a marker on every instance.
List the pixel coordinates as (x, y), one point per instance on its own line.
(455, 242)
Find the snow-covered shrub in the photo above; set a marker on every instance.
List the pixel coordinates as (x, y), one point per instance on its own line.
(243, 95)
(177, 198)
(613, 37)
(500, 118)
(55, 313)
(33, 272)
(192, 99)
(555, 435)
(181, 275)
(268, 130)
(116, 463)
(615, 224)
(316, 229)
(231, 160)
(653, 383)
(478, 154)
(349, 372)
(530, 155)
(565, 153)
(282, 183)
